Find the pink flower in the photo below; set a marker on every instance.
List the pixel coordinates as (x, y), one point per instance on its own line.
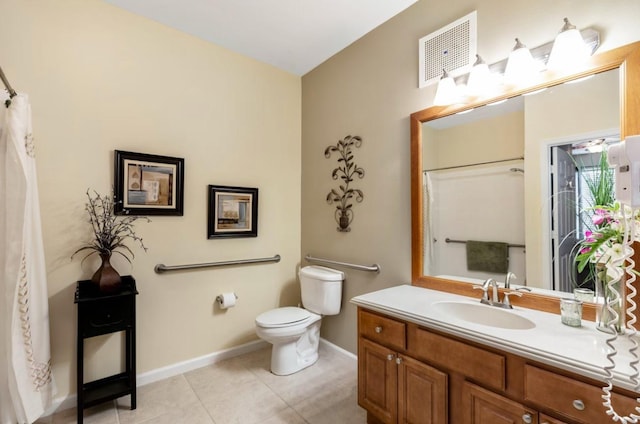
(601, 216)
(597, 219)
(590, 237)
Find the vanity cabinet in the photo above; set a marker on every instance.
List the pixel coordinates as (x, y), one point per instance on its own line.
(481, 406)
(411, 374)
(392, 386)
(577, 400)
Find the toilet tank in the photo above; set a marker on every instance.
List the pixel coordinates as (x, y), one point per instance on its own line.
(321, 289)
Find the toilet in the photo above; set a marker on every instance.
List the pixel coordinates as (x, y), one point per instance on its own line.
(295, 332)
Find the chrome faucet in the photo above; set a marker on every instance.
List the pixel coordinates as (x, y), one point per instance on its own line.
(494, 295)
(507, 279)
(490, 282)
(495, 299)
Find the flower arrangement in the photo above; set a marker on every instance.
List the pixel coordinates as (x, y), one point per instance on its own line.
(606, 250)
(603, 238)
(110, 232)
(606, 242)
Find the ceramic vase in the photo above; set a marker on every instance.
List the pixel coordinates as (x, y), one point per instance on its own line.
(106, 277)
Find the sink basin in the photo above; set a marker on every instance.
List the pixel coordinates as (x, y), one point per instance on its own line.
(478, 313)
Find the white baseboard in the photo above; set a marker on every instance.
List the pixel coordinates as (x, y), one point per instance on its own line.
(338, 349)
(158, 374)
(195, 363)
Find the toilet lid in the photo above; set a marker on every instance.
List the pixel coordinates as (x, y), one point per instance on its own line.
(282, 317)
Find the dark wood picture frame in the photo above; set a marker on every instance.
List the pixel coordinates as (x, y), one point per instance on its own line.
(147, 184)
(232, 212)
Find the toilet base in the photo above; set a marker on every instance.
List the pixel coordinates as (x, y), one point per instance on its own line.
(293, 356)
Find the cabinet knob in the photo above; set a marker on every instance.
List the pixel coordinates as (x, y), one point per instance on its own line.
(527, 418)
(379, 329)
(578, 404)
(398, 360)
(390, 357)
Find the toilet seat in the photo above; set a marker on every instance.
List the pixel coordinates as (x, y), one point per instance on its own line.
(283, 317)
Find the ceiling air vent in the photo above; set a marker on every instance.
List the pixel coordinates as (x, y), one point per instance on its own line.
(452, 47)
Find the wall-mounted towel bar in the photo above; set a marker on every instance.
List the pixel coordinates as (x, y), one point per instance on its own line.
(448, 240)
(160, 268)
(372, 268)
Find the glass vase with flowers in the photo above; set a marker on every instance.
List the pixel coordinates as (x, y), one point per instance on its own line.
(605, 250)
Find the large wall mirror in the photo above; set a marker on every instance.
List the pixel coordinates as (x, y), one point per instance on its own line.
(493, 171)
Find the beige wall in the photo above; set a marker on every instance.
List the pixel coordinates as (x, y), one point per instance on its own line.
(100, 79)
(489, 139)
(369, 89)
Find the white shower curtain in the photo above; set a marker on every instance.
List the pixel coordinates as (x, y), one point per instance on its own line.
(26, 384)
(427, 219)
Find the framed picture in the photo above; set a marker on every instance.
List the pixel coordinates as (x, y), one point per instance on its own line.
(233, 212)
(148, 184)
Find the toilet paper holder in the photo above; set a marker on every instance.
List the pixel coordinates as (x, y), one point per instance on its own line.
(219, 298)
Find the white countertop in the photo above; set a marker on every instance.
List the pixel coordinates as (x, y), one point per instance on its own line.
(581, 350)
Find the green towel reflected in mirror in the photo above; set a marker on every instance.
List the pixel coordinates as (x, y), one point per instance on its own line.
(488, 256)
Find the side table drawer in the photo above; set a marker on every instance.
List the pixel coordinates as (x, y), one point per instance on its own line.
(105, 317)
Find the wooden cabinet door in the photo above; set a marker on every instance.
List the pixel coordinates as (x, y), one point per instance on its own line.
(378, 381)
(481, 406)
(422, 393)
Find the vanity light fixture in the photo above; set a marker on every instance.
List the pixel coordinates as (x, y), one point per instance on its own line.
(569, 49)
(447, 92)
(480, 82)
(521, 67)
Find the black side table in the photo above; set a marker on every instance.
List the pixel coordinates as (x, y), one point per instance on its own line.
(100, 314)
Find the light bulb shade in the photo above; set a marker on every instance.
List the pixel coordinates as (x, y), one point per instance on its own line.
(521, 67)
(480, 82)
(447, 92)
(569, 50)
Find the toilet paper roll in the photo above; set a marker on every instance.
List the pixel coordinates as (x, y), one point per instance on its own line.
(227, 300)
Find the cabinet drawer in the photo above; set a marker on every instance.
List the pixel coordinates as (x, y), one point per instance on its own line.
(572, 398)
(545, 419)
(477, 364)
(385, 331)
(96, 318)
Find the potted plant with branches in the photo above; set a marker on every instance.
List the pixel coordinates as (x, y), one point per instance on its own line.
(110, 233)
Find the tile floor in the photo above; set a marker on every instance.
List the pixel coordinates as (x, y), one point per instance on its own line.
(240, 390)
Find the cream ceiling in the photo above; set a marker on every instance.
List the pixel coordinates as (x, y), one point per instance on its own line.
(293, 35)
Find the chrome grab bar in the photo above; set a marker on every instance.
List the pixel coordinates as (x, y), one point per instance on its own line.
(373, 268)
(160, 268)
(448, 240)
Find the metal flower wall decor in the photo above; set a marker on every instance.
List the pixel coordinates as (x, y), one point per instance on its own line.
(346, 171)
